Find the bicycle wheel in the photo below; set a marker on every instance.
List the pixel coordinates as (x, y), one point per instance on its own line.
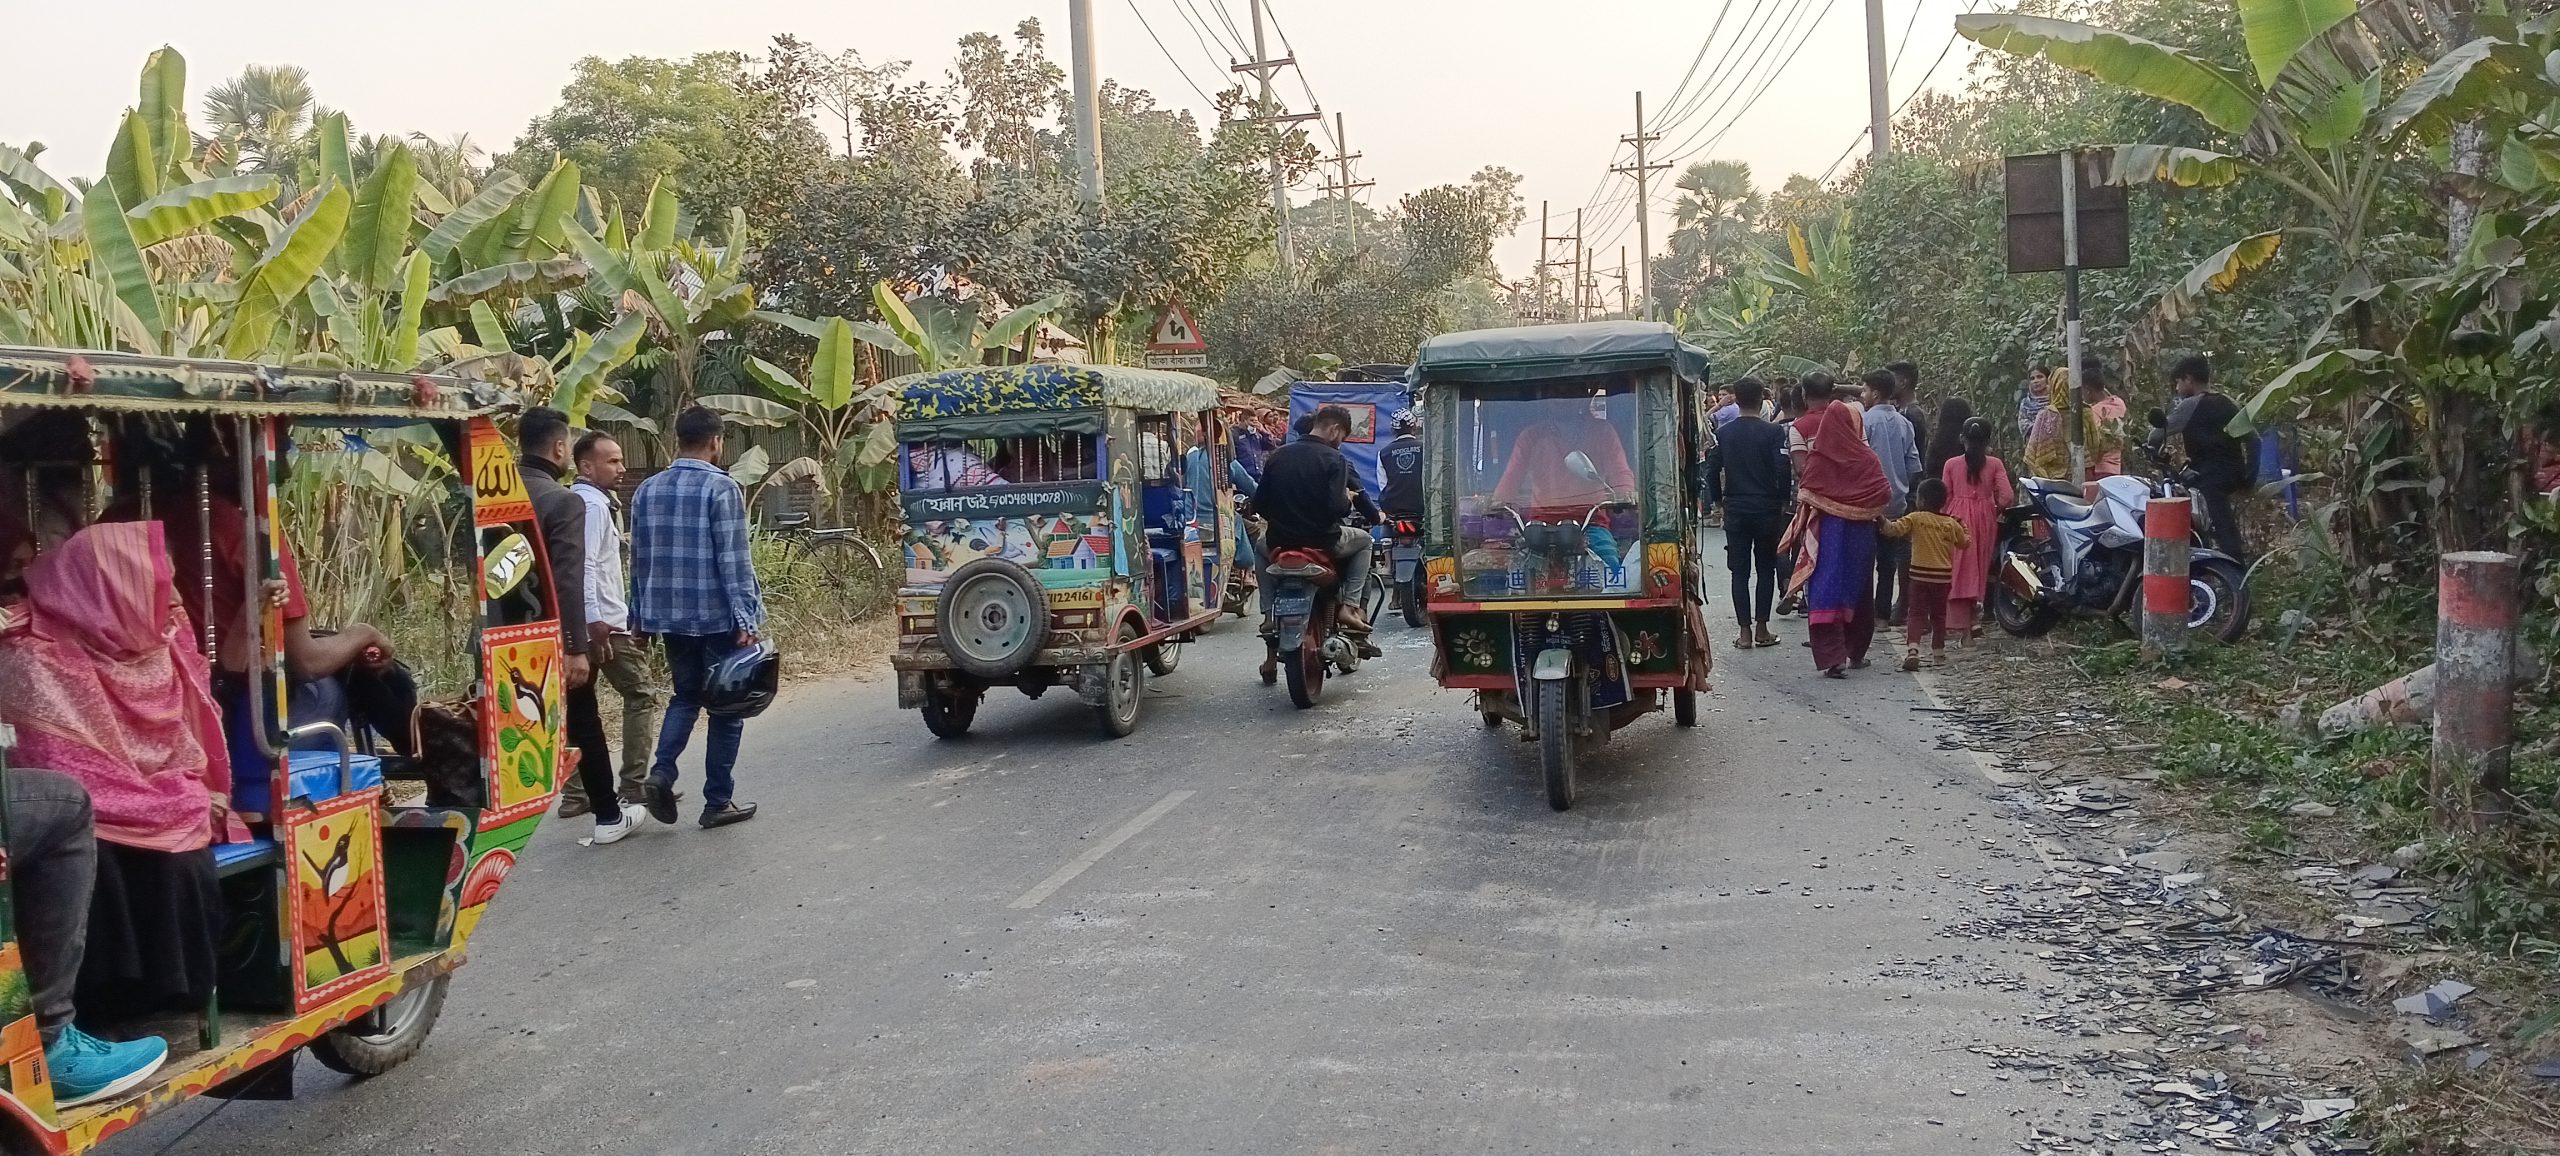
(852, 570)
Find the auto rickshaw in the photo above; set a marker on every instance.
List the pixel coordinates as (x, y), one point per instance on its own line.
(1559, 542)
(382, 845)
(1067, 525)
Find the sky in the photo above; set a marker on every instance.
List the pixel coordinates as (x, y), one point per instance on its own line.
(1431, 90)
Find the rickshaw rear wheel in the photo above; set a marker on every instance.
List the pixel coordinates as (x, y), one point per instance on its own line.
(1124, 683)
(1684, 707)
(1555, 740)
(948, 713)
(389, 1035)
(1163, 657)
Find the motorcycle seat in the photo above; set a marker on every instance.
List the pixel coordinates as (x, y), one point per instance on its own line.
(2065, 508)
(1303, 563)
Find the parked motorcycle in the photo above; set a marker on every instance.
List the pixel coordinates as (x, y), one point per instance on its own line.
(2088, 560)
(1306, 647)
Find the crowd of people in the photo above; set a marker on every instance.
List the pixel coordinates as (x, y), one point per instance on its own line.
(1861, 508)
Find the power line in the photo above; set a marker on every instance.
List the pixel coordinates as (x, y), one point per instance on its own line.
(1205, 31)
(1220, 7)
(1207, 105)
(1908, 97)
(1674, 119)
(1907, 26)
(1682, 90)
(1273, 11)
(1768, 79)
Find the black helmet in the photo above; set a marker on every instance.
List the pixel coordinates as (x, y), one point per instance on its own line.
(744, 683)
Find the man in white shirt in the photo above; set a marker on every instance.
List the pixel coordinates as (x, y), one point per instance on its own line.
(614, 654)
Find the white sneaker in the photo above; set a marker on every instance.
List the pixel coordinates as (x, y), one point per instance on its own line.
(606, 832)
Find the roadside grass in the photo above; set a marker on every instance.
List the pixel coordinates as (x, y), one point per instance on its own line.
(2234, 758)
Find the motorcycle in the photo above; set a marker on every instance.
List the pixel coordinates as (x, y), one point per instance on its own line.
(1305, 647)
(1404, 551)
(2088, 560)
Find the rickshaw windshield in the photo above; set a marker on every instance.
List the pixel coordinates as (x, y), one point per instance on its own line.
(1550, 487)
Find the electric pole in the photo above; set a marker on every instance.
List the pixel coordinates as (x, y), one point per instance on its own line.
(1879, 99)
(1578, 264)
(1644, 202)
(1623, 305)
(1266, 114)
(1088, 110)
(1345, 186)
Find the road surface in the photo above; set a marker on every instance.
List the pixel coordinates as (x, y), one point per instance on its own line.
(1247, 929)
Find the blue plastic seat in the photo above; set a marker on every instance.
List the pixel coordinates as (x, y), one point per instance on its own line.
(315, 774)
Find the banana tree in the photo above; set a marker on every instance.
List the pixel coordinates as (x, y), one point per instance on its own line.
(2309, 115)
(850, 423)
(942, 334)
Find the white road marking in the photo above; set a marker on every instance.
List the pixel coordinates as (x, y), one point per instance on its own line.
(1129, 830)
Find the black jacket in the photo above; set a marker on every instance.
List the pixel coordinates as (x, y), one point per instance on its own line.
(1400, 467)
(1748, 470)
(1305, 495)
(563, 518)
(2221, 461)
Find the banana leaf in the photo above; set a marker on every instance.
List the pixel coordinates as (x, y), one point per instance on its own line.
(191, 206)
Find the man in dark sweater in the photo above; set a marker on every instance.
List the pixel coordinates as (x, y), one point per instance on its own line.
(1748, 476)
(2220, 461)
(1306, 494)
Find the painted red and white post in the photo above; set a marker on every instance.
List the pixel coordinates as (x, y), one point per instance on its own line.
(2476, 610)
(2166, 526)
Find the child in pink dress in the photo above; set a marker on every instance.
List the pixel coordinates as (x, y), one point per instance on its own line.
(1977, 487)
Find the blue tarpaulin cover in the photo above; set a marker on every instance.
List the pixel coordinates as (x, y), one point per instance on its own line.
(1373, 409)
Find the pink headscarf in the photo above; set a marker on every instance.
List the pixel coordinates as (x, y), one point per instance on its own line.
(100, 677)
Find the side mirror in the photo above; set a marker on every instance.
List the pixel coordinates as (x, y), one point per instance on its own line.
(1581, 465)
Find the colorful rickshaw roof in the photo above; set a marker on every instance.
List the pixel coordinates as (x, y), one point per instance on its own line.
(1049, 386)
(1530, 352)
(99, 379)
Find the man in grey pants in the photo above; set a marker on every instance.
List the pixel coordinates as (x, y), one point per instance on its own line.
(53, 861)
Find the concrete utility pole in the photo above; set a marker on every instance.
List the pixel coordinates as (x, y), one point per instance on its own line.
(1345, 186)
(1268, 115)
(1088, 102)
(1578, 264)
(1644, 202)
(2070, 309)
(1879, 98)
(1543, 238)
(1624, 306)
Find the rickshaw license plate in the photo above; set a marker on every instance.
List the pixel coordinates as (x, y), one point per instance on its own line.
(1293, 604)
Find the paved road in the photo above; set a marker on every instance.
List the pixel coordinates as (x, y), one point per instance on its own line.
(1354, 929)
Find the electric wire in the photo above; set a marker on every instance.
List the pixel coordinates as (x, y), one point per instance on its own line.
(1676, 117)
(1907, 98)
(1692, 145)
(1695, 61)
(1207, 105)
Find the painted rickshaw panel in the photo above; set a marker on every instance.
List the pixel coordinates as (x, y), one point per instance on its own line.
(486, 844)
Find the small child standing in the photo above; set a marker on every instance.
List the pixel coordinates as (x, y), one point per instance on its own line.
(1935, 539)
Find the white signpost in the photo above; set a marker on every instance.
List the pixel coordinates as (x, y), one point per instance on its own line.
(1175, 342)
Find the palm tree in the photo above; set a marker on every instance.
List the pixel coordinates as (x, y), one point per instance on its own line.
(452, 166)
(1716, 200)
(263, 117)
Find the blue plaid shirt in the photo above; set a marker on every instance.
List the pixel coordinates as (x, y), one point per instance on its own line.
(690, 571)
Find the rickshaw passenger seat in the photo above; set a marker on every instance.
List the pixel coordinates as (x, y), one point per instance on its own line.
(314, 779)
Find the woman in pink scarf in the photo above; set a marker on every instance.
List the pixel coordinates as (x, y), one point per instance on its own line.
(101, 678)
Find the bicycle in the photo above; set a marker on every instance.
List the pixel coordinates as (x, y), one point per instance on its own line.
(848, 564)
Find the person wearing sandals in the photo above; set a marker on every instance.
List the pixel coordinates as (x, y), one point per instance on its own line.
(1747, 477)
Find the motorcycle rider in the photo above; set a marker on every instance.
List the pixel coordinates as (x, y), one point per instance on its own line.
(1400, 469)
(1306, 494)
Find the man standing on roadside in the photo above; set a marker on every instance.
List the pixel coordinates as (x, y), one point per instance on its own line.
(613, 654)
(542, 435)
(2202, 422)
(1890, 435)
(694, 585)
(1747, 476)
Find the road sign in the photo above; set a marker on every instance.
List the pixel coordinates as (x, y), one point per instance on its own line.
(2034, 187)
(1177, 361)
(1174, 332)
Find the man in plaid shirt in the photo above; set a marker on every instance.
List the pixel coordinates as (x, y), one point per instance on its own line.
(693, 584)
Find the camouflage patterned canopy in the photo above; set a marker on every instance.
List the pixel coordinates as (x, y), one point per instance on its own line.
(106, 380)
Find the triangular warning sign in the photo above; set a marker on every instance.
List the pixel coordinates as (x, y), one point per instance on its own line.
(1174, 331)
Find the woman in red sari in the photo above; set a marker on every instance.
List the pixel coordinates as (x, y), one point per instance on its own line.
(1840, 495)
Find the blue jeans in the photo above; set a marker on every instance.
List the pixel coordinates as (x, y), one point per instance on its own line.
(690, 658)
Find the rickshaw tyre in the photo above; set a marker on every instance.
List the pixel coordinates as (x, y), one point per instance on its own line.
(1555, 742)
(1415, 615)
(349, 1053)
(1684, 708)
(948, 715)
(1035, 598)
(1163, 657)
(1118, 714)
